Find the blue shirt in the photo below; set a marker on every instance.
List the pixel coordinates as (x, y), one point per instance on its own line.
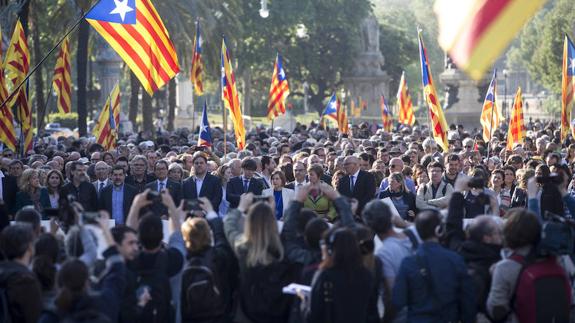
(279, 204)
(118, 204)
(408, 182)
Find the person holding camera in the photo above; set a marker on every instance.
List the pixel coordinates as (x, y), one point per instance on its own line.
(479, 200)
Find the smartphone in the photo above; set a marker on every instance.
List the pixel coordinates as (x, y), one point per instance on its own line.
(192, 205)
(260, 198)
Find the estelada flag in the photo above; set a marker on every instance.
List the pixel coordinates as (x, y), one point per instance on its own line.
(386, 116)
(231, 98)
(406, 115)
(197, 63)
(490, 115)
(279, 90)
(106, 130)
(567, 86)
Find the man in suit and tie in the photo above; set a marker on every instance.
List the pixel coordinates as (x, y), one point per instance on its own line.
(299, 173)
(162, 183)
(118, 197)
(244, 184)
(357, 184)
(202, 184)
(102, 171)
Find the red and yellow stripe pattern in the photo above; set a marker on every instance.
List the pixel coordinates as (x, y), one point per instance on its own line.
(62, 80)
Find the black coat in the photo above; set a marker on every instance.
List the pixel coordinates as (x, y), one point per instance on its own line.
(140, 186)
(235, 189)
(9, 190)
(175, 191)
(85, 194)
(105, 201)
(408, 198)
(363, 190)
(211, 188)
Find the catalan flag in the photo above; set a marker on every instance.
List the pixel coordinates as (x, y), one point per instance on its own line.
(475, 32)
(490, 114)
(279, 90)
(136, 32)
(342, 123)
(230, 97)
(197, 63)
(438, 124)
(567, 86)
(62, 80)
(107, 128)
(355, 110)
(406, 115)
(330, 110)
(205, 131)
(386, 116)
(516, 133)
(17, 66)
(7, 132)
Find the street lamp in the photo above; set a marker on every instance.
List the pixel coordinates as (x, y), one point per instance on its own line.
(264, 12)
(504, 112)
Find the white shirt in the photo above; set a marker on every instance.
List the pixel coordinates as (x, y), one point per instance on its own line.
(199, 183)
(99, 185)
(163, 185)
(355, 177)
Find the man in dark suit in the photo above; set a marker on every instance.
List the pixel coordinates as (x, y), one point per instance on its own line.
(139, 176)
(118, 197)
(357, 184)
(80, 187)
(202, 184)
(162, 183)
(8, 189)
(244, 184)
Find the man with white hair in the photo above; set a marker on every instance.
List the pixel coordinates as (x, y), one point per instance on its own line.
(102, 171)
(430, 147)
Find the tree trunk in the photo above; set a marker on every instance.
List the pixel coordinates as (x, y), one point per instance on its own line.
(38, 78)
(82, 73)
(171, 103)
(23, 16)
(147, 112)
(134, 94)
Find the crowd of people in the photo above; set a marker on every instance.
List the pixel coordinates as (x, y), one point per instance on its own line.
(373, 226)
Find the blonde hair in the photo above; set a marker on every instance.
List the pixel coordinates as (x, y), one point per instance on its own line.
(196, 234)
(24, 182)
(261, 236)
(399, 178)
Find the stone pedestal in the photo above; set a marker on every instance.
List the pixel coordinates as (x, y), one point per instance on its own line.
(109, 71)
(185, 105)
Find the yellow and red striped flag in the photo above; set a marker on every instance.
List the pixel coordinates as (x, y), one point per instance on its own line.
(355, 110)
(231, 98)
(7, 132)
(197, 63)
(17, 66)
(279, 90)
(438, 124)
(386, 116)
(490, 115)
(342, 123)
(516, 133)
(567, 86)
(406, 115)
(475, 32)
(106, 130)
(136, 32)
(62, 80)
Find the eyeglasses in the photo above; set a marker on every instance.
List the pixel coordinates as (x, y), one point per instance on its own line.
(468, 146)
(101, 169)
(299, 170)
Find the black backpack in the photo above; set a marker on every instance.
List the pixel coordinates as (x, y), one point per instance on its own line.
(261, 296)
(202, 297)
(160, 307)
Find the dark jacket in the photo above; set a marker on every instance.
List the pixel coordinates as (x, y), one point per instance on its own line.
(105, 201)
(175, 191)
(363, 190)
(23, 291)
(85, 194)
(408, 198)
(235, 189)
(211, 188)
(140, 186)
(9, 190)
(23, 199)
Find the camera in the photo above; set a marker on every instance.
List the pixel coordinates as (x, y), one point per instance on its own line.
(476, 182)
(260, 198)
(192, 205)
(154, 196)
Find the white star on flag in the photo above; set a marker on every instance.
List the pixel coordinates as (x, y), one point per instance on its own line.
(121, 9)
(204, 128)
(572, 65)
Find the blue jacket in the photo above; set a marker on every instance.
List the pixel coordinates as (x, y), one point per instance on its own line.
(445, 295)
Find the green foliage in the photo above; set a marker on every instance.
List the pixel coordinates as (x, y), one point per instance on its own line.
(552, 105)
(66, 120)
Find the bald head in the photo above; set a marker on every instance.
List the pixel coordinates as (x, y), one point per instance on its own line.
(351, 165)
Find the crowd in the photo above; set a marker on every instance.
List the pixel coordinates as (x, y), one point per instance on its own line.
(373, 227)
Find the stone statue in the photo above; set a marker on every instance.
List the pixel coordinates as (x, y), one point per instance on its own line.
(370, 35)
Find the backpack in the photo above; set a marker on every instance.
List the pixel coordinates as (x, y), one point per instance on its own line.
(443, 190)
(412, 238)
(201, 297)
(557, 236)
(542, 292)
(261, 296)
(156, 279)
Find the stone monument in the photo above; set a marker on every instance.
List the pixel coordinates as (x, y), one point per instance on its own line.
(463, 96)
(185, 104)
(367, 78)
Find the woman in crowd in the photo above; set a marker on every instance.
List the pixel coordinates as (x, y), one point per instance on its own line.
(224, 173)
(108, 158)
(402, 198)
(502, 193)
(316, 200)
(519, 198)
(282, 196)
(31, 193)
(54, 183)
(421, 177)
(339, 174)
(176, 173)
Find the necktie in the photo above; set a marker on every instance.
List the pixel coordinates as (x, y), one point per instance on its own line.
(246, 185)
(161, 187)
(101, 187)
(351, 183)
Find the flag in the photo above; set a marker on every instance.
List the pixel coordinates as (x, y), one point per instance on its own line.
(279, 90)
(386, 116)
(17, 65)
(355, 110)
(205, 138)
(136, 32)
(230, 97)
(567, 86)
(362, 104)
(62, 80)
(330, 110)
(7, 132)
(490, 114)
(406, 115)
(516, 132)
(438, 124)
(475, 32)
(342, 123)
(197, 63)
(107, 128)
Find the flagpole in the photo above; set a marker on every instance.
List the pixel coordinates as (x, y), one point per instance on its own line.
(15, 90)
(225, 126)
(47, 111)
